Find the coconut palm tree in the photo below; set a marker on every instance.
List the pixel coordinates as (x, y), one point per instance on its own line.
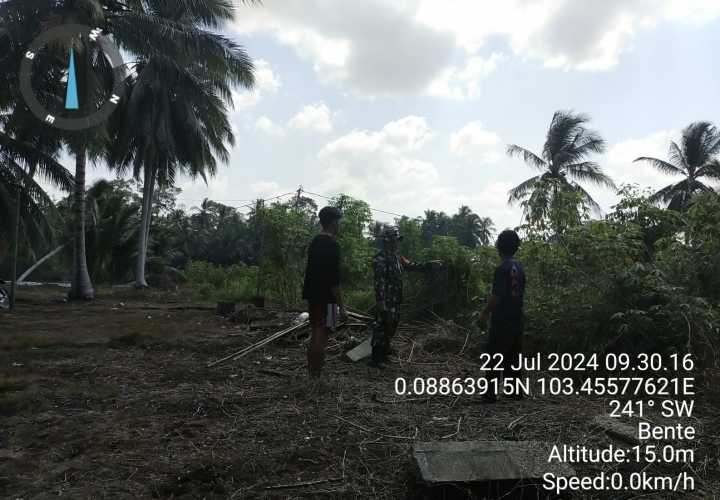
(26, 210)
(176, 120)
(469, 228)
(175, 32)
(697, 157)
(563, 165)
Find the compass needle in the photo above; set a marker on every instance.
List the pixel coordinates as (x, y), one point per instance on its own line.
(86, 75)
(71, 98)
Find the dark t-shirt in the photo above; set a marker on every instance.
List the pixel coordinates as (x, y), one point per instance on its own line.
(323, 270)
(509, 288)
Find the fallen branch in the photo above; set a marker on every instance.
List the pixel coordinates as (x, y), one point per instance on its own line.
(270, 339)
(395, 401)
(362, 317)
(365, 429)
(303, 483)
(521, 417)
(457, 431)
(274, 372)
(248, 349)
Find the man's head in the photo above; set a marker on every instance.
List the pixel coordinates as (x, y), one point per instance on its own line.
(507, 243)
(330, 220)
(391, 239)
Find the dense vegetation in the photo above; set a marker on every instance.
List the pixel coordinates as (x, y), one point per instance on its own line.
(646, 276)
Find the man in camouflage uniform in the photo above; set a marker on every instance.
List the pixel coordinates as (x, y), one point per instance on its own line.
(388, 267)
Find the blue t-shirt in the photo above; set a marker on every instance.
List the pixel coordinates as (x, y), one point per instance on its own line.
(509, 288)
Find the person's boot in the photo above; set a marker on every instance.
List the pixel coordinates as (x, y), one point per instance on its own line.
(377, 359)
(388, 350)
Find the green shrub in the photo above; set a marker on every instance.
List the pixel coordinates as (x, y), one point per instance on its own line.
(234, 283)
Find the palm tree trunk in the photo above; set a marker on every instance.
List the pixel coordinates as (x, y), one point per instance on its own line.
(16, 237)
(81, 286)
(144, 229)
(40, 262)
(153, 177)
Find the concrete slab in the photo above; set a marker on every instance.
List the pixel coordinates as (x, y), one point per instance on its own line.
(484, 461)
(361, 351)
(616, 429)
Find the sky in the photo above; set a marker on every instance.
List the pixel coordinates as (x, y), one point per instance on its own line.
(410, 104)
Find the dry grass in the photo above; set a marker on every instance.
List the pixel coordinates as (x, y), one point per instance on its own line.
(114, 399)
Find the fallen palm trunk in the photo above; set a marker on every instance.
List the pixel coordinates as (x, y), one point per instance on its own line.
(257, 345)
(270, 339)
(361, 317)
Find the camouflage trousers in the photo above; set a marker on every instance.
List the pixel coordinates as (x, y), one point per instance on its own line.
(383, 330)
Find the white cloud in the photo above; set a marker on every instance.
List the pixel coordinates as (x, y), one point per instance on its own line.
(475, 142)
(456, 83)
(621, 155)
(372, 48)
(619, 165)
(265, 188)
(194, 191)
(567, 34)
(313, 118)
(387, 169)
(380, 48)
(269, 127)
(266, 82)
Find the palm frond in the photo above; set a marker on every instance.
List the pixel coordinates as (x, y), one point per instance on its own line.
(589, 171)
(661, 165)
(528, 156)
(564, 126)
(520, 191)
(710, 169)
(594, 206)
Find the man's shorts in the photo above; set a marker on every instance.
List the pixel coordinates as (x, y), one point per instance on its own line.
(324, 315)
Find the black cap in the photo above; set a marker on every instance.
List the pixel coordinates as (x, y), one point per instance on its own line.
(329, 215)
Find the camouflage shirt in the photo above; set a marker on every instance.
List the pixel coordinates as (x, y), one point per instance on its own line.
(388, 269)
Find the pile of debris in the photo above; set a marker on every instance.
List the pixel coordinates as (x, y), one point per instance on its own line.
(288, 322)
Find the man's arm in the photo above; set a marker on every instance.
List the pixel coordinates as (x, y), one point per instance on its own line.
(408, 265)
(338, 298)
(336, 289)
(489, 308)
(497, 287)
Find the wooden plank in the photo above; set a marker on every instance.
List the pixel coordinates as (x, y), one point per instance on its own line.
(361, 351)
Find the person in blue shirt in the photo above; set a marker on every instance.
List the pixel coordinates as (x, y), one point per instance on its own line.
(505, 309)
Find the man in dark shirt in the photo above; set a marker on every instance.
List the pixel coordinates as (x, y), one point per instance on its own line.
(505, 307)
(322, 287)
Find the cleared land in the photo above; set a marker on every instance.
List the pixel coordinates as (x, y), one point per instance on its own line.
(113, 399)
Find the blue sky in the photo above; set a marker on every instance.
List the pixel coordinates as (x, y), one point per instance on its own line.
(409, 104)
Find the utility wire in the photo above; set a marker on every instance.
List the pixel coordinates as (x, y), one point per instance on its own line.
(300, 191)
(371, 208)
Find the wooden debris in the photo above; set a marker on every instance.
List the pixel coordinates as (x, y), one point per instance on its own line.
(361, 317)
(365, 429)
(265, 324)
(248, 349)
(303, 483)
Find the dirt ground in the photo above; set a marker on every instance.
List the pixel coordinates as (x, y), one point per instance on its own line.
(114, 399)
